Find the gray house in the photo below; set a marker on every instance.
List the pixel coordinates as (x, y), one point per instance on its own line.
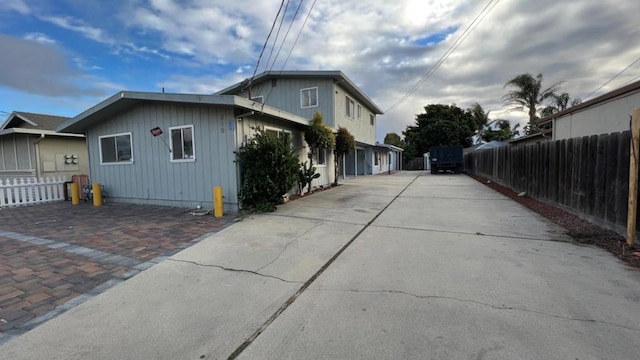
(334, 96)
(172, 149)
(30, 147)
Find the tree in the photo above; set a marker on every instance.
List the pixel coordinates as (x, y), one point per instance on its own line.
(394, 139)
(345, 144)
(318, 137)
(503, 132)
(268, 168)
(559, 103)
(528, 93)
(439, 125)
(480, 118)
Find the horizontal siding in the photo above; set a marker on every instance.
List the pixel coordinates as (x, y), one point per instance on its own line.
(285, 95)
(153, 178)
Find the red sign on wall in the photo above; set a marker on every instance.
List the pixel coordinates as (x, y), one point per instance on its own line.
(156, 131)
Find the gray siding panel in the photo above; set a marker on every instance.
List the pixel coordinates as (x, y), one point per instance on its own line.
(153, 178)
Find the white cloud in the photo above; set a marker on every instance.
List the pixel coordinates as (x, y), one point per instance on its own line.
(39, 37)
(19, 6)
(79, 26)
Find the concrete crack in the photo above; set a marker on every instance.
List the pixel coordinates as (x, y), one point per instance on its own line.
(496, 307)
(287, 245)
(235, 270)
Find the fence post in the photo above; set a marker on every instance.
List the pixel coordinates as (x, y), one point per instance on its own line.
(633, 177)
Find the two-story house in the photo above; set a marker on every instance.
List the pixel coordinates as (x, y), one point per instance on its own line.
(331, 93)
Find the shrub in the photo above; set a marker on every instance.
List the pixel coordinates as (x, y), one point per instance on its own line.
(268, 170)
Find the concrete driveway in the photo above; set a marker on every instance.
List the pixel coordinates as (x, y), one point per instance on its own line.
(384, 267)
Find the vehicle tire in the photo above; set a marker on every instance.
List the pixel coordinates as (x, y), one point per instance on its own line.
(434, 170)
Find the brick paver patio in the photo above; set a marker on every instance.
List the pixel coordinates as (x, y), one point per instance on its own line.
(53, 253)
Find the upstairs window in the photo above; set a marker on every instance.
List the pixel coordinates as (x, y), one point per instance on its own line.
(351, 107)
(116, 149)
(309, 97)
(372, 119)
(359, 111)
(182, 143)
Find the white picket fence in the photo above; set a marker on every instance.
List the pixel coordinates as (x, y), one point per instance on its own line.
(26, 191)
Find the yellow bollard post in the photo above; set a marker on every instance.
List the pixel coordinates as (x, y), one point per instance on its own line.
(75, 194)
(217, 202)
(97, 194)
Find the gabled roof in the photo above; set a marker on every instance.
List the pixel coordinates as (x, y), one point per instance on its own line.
(26, 120)
(335, 75)
(631, 88)
(126, 99)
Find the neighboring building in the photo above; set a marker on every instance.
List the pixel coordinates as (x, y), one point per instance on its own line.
(540, 137)
(172, 149)
(604, 114)
(30, 147)
(333, 95)
(387, 158)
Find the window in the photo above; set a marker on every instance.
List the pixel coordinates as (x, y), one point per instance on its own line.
(359, 111)
(182, 143)
(116, 149)
(376, 155)
(320, 157)
(259, 99)
(351, 105)
(279, 133)
(309, 97)
(372, 119)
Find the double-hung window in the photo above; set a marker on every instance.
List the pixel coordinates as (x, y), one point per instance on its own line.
(351, 107)
(359, 111)
(309, 97)
(116, 149)
(182, 148)
(372, 119)
(279, 133)
(320, 157)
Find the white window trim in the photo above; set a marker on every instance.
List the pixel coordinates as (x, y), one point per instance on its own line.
(346, 104)
(326, 158)
(372, 120)
(359, 111)
(117, 162)
(280, 130)
(255, 98)
(193, 134)
(317, 98)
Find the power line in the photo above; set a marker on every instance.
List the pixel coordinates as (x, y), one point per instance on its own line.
(275, 41)
(477, 20)
(613, 78)
(266, 41)
(295, 15)
(299, 33)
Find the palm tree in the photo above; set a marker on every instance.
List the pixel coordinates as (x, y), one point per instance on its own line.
(480, 118)
(528, 93)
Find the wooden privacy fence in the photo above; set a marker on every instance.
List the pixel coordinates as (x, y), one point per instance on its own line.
(589, 175)
(25, 191)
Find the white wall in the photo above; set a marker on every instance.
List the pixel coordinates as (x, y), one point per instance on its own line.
(604, 118)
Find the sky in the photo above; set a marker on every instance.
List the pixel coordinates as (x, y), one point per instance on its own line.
(61, 57)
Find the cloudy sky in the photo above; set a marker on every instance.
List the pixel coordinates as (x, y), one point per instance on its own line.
(64, 56)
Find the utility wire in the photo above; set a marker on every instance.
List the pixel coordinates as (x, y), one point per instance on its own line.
(483, 13)
(294, 43)
(275, 41)
(613, 78)
(265, 42)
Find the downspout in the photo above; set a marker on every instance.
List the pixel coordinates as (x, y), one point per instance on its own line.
(38, 164)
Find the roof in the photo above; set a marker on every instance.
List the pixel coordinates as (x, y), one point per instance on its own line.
(336, 75)
(22, 119)
(631, 88)
(126, 99)
(543, 133)
(389, 146)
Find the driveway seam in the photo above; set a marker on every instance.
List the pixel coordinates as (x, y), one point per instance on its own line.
(308, 283)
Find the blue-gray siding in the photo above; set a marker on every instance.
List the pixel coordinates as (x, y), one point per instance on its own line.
(285, 95)
(153, 178)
